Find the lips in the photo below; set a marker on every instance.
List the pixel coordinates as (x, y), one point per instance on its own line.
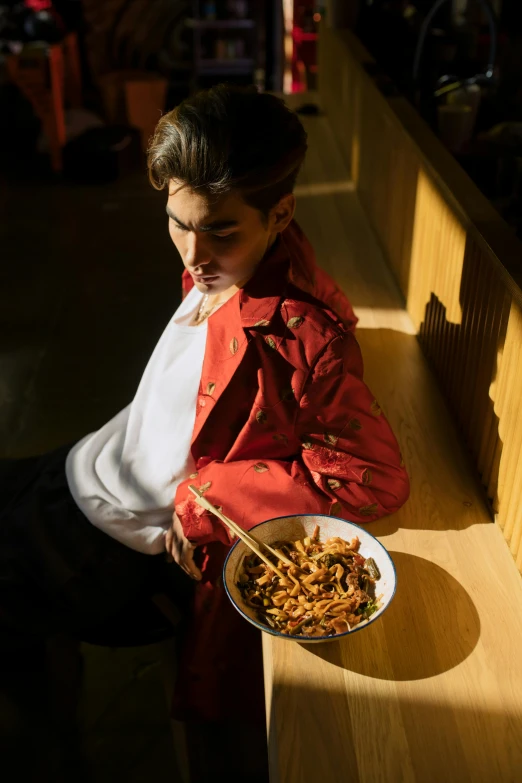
(204, 278)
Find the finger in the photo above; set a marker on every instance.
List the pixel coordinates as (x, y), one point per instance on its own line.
(168, 542)
(188, 557)
(194, 574)
(174, 549)
(186, 569)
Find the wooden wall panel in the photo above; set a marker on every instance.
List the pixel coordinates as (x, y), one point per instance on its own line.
(457, 266)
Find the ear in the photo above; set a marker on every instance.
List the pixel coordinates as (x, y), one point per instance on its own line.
(282, 213)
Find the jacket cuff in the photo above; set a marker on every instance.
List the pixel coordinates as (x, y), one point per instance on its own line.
(199, 525)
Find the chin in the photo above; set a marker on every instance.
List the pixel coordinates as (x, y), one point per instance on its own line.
(212, 287)
(203, 287)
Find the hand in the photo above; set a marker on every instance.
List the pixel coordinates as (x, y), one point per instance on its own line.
(180, 549)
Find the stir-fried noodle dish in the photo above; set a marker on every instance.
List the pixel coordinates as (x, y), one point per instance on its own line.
(329, 589)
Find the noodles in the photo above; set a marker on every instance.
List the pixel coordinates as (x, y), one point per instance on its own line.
(329, 589)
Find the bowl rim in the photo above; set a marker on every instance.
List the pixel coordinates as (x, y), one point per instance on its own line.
(310, 639)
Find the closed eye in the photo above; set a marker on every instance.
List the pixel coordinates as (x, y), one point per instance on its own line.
(224, 237)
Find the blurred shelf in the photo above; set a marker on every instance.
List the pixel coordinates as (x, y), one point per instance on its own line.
(221, 24)
(227, 48)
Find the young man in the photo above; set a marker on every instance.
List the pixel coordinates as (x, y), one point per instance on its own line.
(254, 393)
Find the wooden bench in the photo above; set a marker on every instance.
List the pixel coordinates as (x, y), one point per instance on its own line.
(433, 690)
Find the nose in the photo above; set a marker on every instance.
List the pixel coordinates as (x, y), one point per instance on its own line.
(197, 255)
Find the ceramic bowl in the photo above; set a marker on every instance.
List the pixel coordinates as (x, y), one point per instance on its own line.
(298, 527)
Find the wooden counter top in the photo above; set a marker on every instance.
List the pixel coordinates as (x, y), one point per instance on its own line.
(433, 690)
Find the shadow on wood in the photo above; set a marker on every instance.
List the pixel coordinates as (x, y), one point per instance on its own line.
(417, 739)
(431, 626)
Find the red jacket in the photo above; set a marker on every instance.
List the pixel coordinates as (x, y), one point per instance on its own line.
(284, 425)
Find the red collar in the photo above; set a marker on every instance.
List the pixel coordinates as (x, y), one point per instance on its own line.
(256, 303)
(254, 306)
(259, 299)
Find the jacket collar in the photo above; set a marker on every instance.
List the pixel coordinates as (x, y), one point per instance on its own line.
(227, 337)
(259, 299)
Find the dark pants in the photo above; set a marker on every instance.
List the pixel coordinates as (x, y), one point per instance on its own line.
(60, 577)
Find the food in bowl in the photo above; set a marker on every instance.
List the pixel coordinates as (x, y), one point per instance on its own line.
(329, 589)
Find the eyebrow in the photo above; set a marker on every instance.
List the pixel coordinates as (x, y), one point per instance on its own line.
(217, 225)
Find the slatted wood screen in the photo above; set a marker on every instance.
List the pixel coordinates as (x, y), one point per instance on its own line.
(456, 262)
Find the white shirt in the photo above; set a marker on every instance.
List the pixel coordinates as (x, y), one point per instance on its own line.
(124, 476)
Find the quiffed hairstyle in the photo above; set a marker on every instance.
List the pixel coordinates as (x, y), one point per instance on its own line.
(230, 139)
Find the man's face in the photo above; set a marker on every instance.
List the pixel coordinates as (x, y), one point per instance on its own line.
(220, 242)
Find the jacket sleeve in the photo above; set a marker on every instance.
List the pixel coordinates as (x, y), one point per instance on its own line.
(349, 463)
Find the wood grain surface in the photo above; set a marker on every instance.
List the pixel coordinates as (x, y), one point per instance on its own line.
(458, 264)
(433, 690)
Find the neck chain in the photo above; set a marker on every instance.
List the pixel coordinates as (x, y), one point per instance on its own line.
(204, 311)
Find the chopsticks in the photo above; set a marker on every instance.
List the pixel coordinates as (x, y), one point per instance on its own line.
(251, 542)
(275, 552)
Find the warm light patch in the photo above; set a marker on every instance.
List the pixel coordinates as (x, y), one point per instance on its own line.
(437, 256)
(324, 188)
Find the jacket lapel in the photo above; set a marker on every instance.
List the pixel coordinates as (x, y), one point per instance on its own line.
(228, 329)
(225, 348)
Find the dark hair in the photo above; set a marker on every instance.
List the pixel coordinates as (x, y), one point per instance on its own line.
(229, 138)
